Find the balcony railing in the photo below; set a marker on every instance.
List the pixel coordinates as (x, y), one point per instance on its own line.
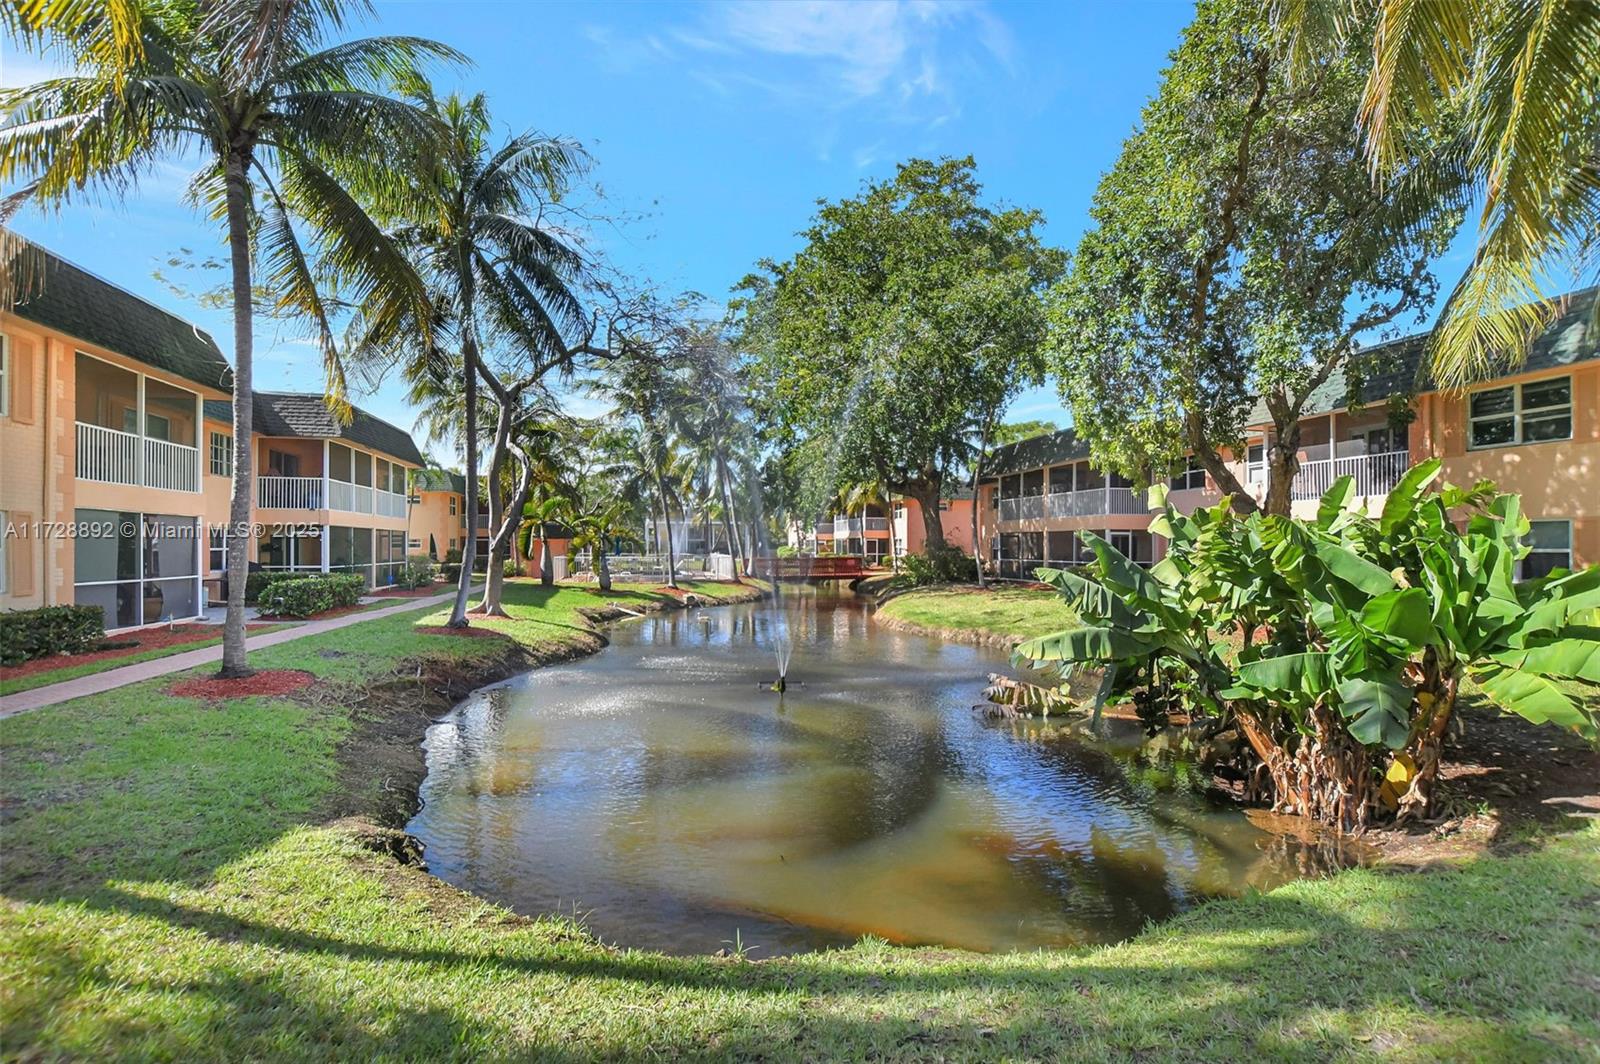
(1088, 503)
(1374, 474)
(341, 496)
(289, 493)
(390, 505)
(877, 524)
(823, 528)
(113, 457)
(846, 526)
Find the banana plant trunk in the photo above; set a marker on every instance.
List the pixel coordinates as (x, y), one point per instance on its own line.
(1325, 776)
(1436, 702)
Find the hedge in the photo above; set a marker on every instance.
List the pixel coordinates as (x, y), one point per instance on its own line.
(308, 595)
(257, 582)
(29, 634)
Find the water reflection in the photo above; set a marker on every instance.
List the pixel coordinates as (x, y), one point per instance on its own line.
(661, 789)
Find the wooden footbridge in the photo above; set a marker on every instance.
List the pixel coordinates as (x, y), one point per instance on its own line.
(848, 568)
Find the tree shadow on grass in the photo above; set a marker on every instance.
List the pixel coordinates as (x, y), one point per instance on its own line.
(1499, 956)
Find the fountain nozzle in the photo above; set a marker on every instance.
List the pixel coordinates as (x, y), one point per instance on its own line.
(781, 684)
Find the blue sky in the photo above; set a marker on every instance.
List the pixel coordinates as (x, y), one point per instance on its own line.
(720, 124)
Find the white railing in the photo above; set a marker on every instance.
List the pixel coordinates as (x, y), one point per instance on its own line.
(845, 526)
(114, 457)
(1088, 503)
(361, 498)
(390, 505)
(289, 493)
(107, 455)
(877, 524)
(171, 466)
(1374, 474)
(341, 495)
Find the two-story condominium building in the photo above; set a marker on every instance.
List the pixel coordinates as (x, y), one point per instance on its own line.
(439, 520)
(103, 492)
(116, 430)
(1535, 431)
(329, 497)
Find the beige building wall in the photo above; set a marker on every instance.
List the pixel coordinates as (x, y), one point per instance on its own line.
(38, 460)
(432, 517)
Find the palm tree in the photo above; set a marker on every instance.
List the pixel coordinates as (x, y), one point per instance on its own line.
(288, 130)
(477, 235)
(642, 392)
(712, 419)
(1517, 84)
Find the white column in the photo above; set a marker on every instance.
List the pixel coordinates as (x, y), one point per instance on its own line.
(327, 531)
(202, 443)
(138, 446)
(325, 500)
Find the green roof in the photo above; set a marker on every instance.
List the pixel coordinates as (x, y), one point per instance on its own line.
(1035, 452)
(1396, 367)
(306, 414)
(74, 301)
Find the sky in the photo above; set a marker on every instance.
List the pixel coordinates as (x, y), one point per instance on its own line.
(716, 126)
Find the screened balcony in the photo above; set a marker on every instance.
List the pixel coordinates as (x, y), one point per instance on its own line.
(134, 429)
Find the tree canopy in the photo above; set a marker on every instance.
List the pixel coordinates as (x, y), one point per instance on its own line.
(1240, 252)
(914, 312)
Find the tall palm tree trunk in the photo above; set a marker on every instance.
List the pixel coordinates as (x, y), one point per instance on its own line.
(495, 574)
(666, 519)
(234, 658)
(729, 523)
(469, 359)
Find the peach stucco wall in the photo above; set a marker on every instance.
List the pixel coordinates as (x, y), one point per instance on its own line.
(432, 516)
(955, 521)
(39, 442)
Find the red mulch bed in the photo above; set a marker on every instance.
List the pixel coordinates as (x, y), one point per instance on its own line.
(416, 592)
(444, 629)
(267, 682)
(147, 639)
(342, 611)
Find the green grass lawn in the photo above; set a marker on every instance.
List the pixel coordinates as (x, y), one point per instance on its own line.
(174, 890)
(1005, 611)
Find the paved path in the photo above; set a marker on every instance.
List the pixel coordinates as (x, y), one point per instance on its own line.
(111, 679)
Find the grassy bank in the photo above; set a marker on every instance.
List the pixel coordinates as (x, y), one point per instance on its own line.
(1000, 612)
(176, 887)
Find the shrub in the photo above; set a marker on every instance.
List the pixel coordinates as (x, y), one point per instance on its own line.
(29, 634)
(1338, 644)
(308, 595)
(945, 565)
(453, 556)
(417, 572)
(787, 552)
(451, 571)
(511, 568)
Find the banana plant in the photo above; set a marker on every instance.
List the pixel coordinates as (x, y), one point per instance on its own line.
(1339, 643)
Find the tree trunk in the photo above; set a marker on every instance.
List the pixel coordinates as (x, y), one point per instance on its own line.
(977, 478)
(234, 658)
(927, 496)
(1212, 463)
(1283, 462)
(1326, 776)
(469, 359)
(735, 547)
(666, 519)
(547, 565)
(1436, 697)
(495, 570)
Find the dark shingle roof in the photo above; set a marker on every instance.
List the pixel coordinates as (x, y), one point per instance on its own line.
(306, 414)
(1396, 365)
(72, 300)
(1035, 452)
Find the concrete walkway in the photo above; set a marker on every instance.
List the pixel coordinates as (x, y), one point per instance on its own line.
(111, 679)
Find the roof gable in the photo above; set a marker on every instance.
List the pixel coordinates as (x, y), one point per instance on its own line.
(306, 415)
(74, 301)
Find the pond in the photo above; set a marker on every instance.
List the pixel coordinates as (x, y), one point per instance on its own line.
(662, 794)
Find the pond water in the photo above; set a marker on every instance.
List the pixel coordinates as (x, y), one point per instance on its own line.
(659, 791)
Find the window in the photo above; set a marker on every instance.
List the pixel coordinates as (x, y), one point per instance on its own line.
(1191, 478)
(452, 505)
(221, 454)
(1551, 548)
(414, 544)
(217, 549)
(1255, 466)
(5, 381)
(1536, 412)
